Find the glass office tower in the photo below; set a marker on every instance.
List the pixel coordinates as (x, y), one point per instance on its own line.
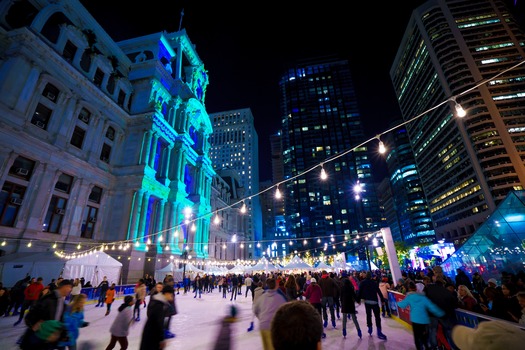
(467, 165)
(322, 130)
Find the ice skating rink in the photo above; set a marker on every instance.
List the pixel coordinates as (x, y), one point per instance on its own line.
(197, 324)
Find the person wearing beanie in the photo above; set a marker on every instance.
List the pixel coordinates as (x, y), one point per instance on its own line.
(314, 294)
(120, 327)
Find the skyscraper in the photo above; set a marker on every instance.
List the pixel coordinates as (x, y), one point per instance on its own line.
(413, 222)
(463, 52)
(235, 145)
(322, 130)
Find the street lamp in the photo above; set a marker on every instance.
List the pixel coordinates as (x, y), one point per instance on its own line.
(358, 189)
(184, 256)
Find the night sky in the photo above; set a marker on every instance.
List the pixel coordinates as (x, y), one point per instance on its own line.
(245, 48)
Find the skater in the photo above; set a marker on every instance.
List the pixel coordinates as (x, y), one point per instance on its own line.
(102, 288)
(110, 298)
(314, 295)
(369, 292)
(120, 328)
(348, 300)
(420, 309)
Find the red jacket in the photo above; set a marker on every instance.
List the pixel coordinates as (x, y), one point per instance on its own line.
(32, 292)
(313, 293)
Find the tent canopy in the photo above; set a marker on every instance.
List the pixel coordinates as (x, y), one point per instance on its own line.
(263, 265)
(47, 265)
(170, 269)
(297, 264)
(323, 266)
(93, 267)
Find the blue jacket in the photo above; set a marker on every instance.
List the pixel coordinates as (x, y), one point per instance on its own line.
(420, 306)
(72, 321)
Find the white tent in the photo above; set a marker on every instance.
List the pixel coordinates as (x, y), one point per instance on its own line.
(93, 267)
(297, 264)
(237, 269)
(193, 269)
(323, 266)
(169, 269)
(16, 266)
(263, 265)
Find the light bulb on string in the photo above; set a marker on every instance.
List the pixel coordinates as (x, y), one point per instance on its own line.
(55, 245)
(382, 148)
(460, 112)
(4, 243)
(29, 244)
(79, 246)
(160, 238)
(217, 220)
(148, 241)
(278, 194)
(193, 227)
(323, 173)
(243, 208)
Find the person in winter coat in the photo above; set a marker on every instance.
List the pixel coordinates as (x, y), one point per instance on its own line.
(329, 288)
(264, 309)
(110, 298)
(447, 302)
(466, 300)
(384, 286)
(420, 308)
(463, 279)
(170, 281)
(153, 335)
(291, 287)
(348, 300)
(370, 293)
(31, 295)
(74, 320)
(140, 296)
(4, 301)
(102, 288)
(120, 327)
(256, 294)
(314, 294)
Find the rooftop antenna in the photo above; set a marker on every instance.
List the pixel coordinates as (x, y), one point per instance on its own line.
(181, 15)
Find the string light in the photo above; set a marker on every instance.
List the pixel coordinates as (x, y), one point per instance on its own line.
(4, 243)
(217, 220)
(278, 193)
(323, 173)
(460, 112)
(382, 148)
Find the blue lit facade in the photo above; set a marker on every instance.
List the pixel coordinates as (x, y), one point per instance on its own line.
(101, 142)
(321, 120)
(467, 165)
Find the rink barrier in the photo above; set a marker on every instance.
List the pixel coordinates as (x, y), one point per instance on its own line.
(120, 291)
(464, 317)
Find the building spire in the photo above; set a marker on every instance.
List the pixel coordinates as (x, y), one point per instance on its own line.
(181, 15)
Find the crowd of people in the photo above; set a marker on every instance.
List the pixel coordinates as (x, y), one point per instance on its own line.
(54, 313)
